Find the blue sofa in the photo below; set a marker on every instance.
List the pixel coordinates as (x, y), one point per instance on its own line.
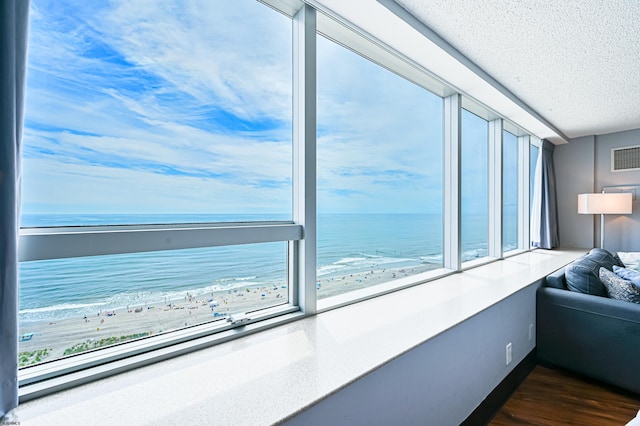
(580, 329)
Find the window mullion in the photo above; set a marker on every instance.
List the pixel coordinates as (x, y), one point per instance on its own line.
(303, 258)
(524, 151)
(495, 188)
(452, 182)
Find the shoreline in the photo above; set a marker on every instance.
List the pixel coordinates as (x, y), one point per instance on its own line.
(107, 326)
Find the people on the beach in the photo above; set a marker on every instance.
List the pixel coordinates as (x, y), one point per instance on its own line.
(153, 321)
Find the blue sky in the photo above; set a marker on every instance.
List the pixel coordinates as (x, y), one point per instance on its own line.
(157, 107)
(379, 138)
(185, 107)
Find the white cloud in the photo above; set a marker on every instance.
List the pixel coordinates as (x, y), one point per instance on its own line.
(83, 188)
(379, 145)
(163, 119)
(122, 106)
(209, 50)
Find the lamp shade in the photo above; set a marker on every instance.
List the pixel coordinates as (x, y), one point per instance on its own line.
(605, 203)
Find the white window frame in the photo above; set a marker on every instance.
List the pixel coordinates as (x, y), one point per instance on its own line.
(452, 182)
(44, 243)
(524, 205)
(300, 232)
(81, 241)
(373, 50)
(495, 189)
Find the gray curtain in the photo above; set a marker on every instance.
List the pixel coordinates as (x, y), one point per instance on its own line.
(14, 18)
(544, 213)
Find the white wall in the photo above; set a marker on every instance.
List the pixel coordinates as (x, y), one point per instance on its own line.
(584, 165)
(574, 166)
(622, 232)
(441, 381)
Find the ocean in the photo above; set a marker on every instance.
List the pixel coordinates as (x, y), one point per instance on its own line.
(347, 243)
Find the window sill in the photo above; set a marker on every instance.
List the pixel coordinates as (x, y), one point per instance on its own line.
(47, 378)
(270, 376)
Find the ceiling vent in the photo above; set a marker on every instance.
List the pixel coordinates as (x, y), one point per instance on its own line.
(625, 159)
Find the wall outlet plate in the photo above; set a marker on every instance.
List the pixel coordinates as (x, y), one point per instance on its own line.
(530, 331)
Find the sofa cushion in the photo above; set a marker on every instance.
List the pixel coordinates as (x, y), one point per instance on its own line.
(628, 274)
(582, 275)
(619, 288)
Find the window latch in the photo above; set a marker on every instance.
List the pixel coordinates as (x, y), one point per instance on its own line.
(238, 319)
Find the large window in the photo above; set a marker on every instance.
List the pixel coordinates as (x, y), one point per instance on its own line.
(510, 161)
(181, 180)
(475, 186)
(153, 114)
(379, 174)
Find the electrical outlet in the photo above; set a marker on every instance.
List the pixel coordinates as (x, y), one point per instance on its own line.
(530, 331)
(509, 353)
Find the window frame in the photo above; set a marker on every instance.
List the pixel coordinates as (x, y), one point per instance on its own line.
(498, 125)
(300, 232)
(361, 44)
(44, 243)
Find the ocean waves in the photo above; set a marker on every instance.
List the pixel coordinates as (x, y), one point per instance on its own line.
(368, 262)
(147, 299)
(347, 244)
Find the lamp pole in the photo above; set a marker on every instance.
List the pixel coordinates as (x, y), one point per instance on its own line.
(602, 227)
(602, 230)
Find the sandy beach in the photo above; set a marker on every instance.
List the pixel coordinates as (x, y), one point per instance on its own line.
(87, 332)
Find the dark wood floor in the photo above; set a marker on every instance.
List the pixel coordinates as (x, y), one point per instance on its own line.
(556, 397)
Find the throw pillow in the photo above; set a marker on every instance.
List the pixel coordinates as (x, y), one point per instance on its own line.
(628, 274)
(607, 257)
(619, 288)
(630, 259)
(581, 275)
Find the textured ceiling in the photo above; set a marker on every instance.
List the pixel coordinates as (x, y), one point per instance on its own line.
(575, 62)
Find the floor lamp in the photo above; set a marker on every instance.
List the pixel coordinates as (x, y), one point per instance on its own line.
(605, 203)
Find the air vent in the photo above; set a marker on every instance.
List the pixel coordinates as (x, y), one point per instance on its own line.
(625, 159)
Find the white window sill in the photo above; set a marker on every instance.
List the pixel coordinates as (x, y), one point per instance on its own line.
(270, 376)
